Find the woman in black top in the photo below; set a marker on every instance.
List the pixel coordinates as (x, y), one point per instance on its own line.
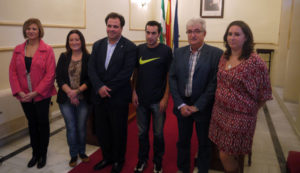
(72, 80)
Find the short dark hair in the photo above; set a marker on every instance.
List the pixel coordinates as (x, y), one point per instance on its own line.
(115, 15)
(153, 23)
(82, 40)
(36, 21)
(248, 46)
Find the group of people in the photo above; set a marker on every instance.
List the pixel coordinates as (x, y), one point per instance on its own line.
(32, 73)
(220, 93)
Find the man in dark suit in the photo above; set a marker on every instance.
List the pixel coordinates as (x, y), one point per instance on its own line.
(110, 67)
(193, 83)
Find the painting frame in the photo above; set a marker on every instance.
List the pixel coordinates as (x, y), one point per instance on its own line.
(212, 8)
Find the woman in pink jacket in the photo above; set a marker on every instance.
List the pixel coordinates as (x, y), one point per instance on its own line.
(31, 77)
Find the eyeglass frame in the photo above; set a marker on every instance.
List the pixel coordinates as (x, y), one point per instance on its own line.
(194, 31)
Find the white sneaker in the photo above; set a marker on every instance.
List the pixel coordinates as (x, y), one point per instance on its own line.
(140, 167)
(157, 168)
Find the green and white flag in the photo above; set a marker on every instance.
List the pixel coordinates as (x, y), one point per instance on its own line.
(162, 22)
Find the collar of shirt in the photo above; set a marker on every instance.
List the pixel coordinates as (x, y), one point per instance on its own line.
(112, 45)
(198, 51)
(110, 50)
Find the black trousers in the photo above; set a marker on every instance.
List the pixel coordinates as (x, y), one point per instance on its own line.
(185, 131)
(111, 130)
(185, 128)
(37, 114)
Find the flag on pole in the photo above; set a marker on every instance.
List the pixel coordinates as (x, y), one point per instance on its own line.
(176, 29)
(169, 25)
(162, 22)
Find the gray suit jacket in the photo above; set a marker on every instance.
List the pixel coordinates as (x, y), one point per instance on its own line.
(204, 79)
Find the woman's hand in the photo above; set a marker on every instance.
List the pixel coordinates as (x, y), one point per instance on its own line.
(22, 95)
(72, 93)
(29, 96)
(74, 101)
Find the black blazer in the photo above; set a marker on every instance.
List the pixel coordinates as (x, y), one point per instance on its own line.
(62, 75)
(118, 73)
(204, 79)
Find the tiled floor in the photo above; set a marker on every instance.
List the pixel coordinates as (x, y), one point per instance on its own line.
(264, 158)
(57, 160)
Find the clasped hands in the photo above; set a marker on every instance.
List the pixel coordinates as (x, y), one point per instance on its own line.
(27, 97)
(73, 95)
(187, 110)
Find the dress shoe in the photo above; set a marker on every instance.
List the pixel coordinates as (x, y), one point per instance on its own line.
(73, 162)
(42, 162)
(102, 164)
(84, 158)
(32, 161)
(117, 167)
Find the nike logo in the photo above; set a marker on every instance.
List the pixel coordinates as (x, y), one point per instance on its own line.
(147, 60)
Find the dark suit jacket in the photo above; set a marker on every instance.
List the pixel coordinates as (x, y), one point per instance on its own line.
(118, 73)
(62, 75)
(204, 79)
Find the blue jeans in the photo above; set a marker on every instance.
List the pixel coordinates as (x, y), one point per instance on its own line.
(75, 118)
(143, 122)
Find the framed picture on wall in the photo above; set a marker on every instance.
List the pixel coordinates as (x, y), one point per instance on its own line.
(211, 8)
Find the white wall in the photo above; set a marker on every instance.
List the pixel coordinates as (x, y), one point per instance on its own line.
(263, 16)
(280, 57)
(291, 89)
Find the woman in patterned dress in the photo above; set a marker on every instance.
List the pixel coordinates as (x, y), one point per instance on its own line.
(243, 87)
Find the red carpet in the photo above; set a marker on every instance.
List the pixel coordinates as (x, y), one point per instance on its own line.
(170, 157)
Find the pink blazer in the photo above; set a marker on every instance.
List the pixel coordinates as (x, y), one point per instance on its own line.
(42, 71)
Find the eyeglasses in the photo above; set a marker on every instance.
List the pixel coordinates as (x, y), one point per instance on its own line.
(195, 31)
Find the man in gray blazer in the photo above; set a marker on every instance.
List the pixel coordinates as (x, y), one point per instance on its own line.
(193, 83)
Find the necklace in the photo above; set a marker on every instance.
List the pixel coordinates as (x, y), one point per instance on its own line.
(229, 66)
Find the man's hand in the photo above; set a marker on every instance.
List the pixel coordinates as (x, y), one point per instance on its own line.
(194, 109)
(104, 91)
(135, 99)
(188, 110)
(185, 111)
